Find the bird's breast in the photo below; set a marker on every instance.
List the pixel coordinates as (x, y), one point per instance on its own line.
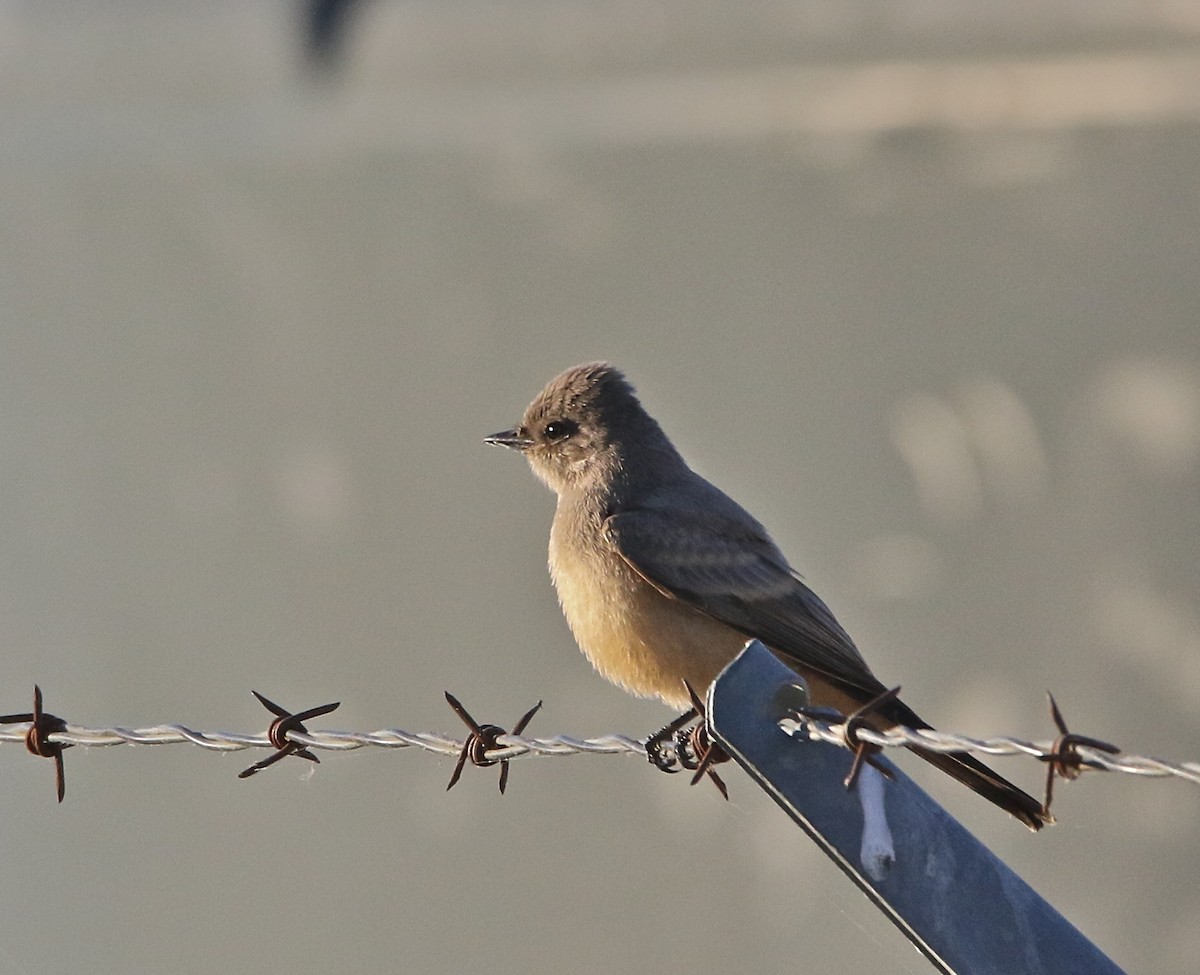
(633, 635)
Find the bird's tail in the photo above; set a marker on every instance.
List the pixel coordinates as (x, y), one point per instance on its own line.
(979, 778)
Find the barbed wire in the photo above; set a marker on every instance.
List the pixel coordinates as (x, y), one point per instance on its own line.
(521, 746)
(507, 747)
(1089, 756)
(46, 735)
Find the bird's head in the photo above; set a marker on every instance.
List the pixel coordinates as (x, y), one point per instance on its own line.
(575, 427)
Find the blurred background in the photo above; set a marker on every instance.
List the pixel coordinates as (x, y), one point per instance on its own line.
(917, 281)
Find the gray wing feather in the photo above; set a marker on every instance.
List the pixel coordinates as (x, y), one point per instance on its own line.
(732, 571)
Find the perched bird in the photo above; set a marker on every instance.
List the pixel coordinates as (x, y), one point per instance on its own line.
(662, 577)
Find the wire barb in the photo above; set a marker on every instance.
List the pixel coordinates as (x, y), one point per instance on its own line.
(865, 752)
(707, 752)
(689, 748)
(1063, 760)
(281, 730)
(37, 739)
(481, 740)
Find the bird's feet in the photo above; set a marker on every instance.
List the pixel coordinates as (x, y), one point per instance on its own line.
(690, 748)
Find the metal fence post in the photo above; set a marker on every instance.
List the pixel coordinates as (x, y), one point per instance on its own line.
(963, 908)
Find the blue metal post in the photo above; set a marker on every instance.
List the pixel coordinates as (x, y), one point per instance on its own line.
(966, 911)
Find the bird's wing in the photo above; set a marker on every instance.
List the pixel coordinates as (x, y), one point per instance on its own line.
(736, 575)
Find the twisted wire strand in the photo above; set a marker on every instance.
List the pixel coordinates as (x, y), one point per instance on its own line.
(1001, 745)
(518, 746)
(512, 746)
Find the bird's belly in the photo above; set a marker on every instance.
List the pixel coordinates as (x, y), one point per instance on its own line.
(640, 639)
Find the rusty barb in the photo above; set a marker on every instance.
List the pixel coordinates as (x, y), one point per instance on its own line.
(37, 738)
(1063, 760)
(280, 731)
(690, 748)
(865, 752)
(482, 739)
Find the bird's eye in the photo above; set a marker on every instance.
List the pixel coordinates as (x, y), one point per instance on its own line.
(559, 429)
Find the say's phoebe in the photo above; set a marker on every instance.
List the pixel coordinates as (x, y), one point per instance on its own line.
(662, 577)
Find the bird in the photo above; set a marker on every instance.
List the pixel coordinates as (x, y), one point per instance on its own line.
(662, 577)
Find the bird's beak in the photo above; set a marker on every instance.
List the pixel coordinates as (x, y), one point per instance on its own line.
(512, 439)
